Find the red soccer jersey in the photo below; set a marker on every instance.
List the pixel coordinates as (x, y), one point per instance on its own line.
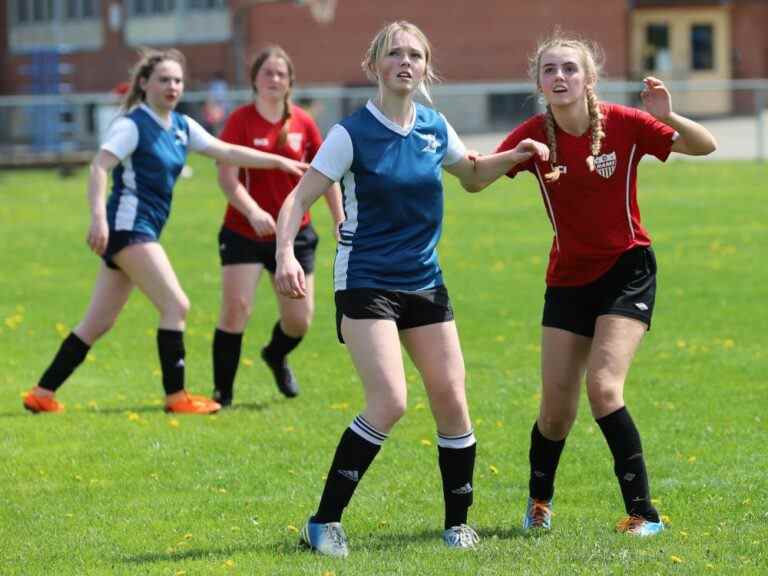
(594, 215)
(269, 188)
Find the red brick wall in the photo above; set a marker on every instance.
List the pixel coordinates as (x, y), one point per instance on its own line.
(750, 44)
(481, 40)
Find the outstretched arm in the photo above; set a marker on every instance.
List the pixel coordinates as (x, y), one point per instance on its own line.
(694, 140)
(250, 158)
(289, 276)
(478, 172)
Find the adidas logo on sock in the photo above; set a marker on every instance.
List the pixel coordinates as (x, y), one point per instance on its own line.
(641, 306)
(466, 489)
(350, 475)
(180, 363)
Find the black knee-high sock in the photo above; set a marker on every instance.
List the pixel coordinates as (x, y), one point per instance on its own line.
(226, 357)
(456, 455)
(624, 441)
(71, 354)
(544, 457)
(281, 344)
(170, 347)
(358, 447)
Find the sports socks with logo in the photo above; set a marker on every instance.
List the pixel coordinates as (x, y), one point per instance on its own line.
(71, 354)
(226, 356)
(356, 450)
(544, 457)
(624, 441)
(456, 455)
(170, 347)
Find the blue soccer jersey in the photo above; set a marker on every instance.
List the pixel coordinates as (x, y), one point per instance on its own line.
(152, 156)
(392, 188)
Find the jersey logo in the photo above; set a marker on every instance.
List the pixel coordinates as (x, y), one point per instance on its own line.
(181, 138)
(261, 141)
(294, 140)
(606, 164)
(431, 143)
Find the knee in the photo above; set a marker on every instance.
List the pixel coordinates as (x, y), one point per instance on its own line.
(385, 413)
(235, 313)
(296, 326)
(449, 402)
(556, 425)
(91, 330)
(604, 398)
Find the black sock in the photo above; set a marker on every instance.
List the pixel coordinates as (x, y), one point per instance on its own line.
(358, 447)
(544, 457)
(280, 345)
(170, 346)
(226, 357)
(456, 455)
(71, 354)
(624, 441)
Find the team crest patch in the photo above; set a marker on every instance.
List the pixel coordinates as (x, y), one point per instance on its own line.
(294, 140)
(431, 143)
(181, 137)
(606, 164)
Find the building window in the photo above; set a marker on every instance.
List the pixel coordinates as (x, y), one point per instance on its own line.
(152, 7)
(37, 12)
(657, 56)
(205, 4)
(702, 47)
(80, 9)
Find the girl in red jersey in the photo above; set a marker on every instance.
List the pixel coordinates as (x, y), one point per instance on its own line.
(247, 238)
(601, 279)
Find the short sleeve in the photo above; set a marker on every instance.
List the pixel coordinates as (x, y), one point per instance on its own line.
(334, 158)
(233, 132)
(122, 138)
(456, 149)
(653, 136)
(199, 137)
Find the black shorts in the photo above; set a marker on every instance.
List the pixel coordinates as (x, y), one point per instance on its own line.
(122, 239)
(406, 309)
(237, 249)
(627, 289)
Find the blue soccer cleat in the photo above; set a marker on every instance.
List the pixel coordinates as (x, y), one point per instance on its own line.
(328, 539)
(538, 515)
(639, 526)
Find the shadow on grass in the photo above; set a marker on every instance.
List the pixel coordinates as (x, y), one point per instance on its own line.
(190, 554)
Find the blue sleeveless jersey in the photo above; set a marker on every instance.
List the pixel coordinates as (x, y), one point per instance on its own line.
(393, 202)
(143, 183)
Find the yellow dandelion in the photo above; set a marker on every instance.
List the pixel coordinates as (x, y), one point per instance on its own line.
(173, 423)
(61, 329)
(288, 429)
(229, 563)
(747, 502)
(500, 338)
(666, 519)
(292, 528)
(180, 572)
(90, 358)
(493, 469)
(341, 406)
(156, 372)
(92, 404)
(683, 534)
(676, 559)
(691, 459)
(247, 362)
(188, 536)
(419, 406)
(681, 344)
(728, 343)
(69, 515)
(222, 490)
(709, 566)
(383, 523)
(499, 424)
(329, 573)
(133, 416)
(425, 442)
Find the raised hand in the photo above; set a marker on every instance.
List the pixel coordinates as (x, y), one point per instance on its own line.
(656, 98)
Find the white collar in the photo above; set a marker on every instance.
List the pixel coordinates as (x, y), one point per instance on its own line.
(379, 115)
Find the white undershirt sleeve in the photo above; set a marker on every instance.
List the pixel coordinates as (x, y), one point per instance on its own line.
(199, 137)
(456, 149)
(122, 138)
(334, 158)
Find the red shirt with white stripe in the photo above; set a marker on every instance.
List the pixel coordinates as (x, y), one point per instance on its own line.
(269, 188)
(594, 215)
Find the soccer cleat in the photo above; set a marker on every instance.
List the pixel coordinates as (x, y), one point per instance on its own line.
(37, 404)
(190, 404)
(538, 515)
(284, 378)
(222, 398)
(328, 539)
(639, 526)
(461, 536)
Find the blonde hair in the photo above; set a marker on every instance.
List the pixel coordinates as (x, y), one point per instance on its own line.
(381, 44)
(592, 59)
(148, 60)
(276, 52)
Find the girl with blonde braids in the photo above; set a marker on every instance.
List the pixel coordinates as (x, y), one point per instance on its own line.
(601, 278)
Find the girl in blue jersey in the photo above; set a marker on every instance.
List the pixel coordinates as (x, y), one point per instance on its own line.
(146, 150)
(388, 157)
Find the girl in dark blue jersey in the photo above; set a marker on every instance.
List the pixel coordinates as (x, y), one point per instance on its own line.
(145, 150)
(389, 158)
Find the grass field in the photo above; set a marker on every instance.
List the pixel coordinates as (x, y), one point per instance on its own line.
(114, 486)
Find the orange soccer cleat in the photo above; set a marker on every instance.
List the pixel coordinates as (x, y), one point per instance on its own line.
(37, 404)
(190, 404)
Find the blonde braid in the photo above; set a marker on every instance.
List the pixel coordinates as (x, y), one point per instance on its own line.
(596, 127)
(549, 123)
(286, 119)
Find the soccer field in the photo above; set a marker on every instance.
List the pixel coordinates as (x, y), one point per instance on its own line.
(115, 486)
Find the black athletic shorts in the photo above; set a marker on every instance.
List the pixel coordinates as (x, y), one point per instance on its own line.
(122, 239)
(627, 289)
(406, 309)
(237, 249)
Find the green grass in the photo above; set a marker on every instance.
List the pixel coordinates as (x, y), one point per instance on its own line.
(114, 486)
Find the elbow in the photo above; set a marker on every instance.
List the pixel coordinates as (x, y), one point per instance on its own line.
(472, 187)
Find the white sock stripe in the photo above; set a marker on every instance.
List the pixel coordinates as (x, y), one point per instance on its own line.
(460, 441)
(363, 429)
